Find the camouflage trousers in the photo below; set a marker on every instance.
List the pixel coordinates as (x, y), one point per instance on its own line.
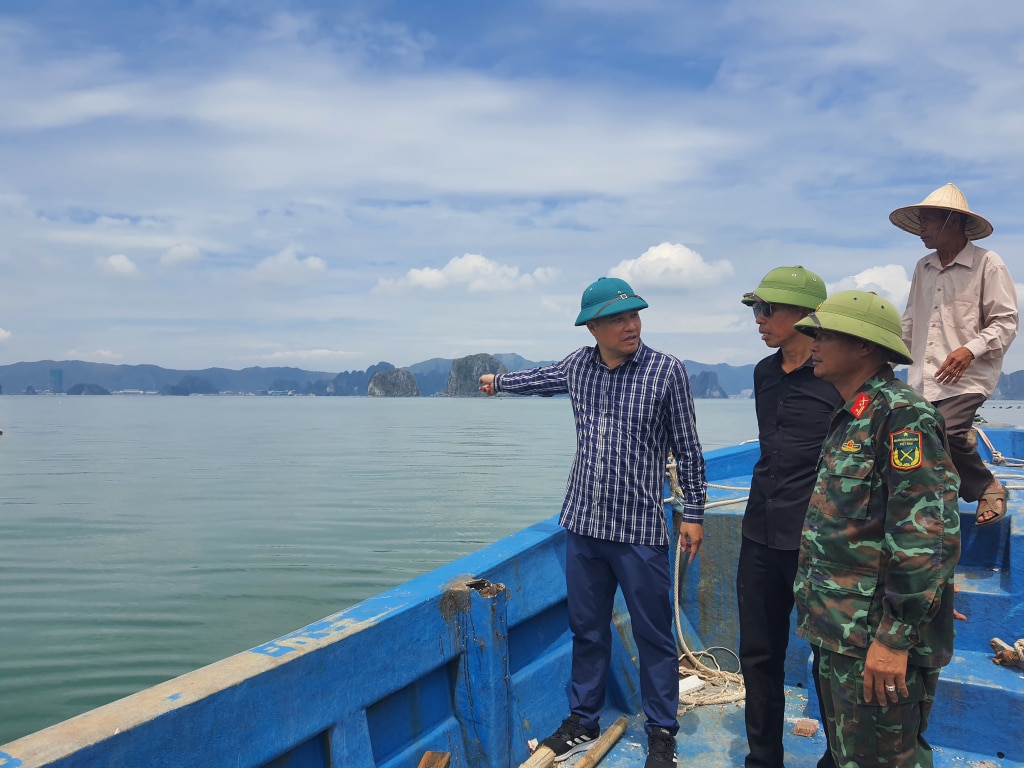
(864, 735)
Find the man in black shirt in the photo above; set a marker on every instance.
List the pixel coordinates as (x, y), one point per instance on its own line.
(793, 410)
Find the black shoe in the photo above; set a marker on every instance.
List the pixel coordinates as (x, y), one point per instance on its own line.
(570, 739)
(661, 749)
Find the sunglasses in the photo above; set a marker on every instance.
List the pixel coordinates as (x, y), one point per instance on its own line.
(762, 309)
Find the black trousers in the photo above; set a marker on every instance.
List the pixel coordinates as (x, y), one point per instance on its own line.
(958, 413)
(764, 592)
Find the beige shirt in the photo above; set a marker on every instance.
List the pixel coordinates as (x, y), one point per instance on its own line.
(970, 303)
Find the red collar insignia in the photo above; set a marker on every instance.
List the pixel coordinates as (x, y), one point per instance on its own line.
(860, 405)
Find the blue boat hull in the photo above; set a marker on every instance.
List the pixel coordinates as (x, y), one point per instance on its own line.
(477, 671)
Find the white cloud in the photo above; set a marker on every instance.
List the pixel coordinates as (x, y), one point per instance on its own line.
(756, 137)
(890, 281)
(671, 265)
(311, 356)
(100, 236)
(96, 354)
(288, 267)
(180, 253)
(118, 264)
(561, 306)
(4, 334)
(474, 272)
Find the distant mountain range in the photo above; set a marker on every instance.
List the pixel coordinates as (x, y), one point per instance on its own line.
(78, 377)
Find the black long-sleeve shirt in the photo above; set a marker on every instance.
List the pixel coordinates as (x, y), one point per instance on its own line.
(793, 411)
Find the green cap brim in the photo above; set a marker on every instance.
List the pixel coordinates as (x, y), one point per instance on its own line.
(859, 329)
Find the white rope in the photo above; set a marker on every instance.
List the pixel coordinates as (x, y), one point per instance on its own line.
(997, 456)
(720, 686)
(725, 503)
(998, 460)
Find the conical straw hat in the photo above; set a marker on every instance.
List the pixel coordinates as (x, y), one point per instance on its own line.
(947, 198)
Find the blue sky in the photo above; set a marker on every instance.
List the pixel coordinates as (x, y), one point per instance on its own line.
(328, 185)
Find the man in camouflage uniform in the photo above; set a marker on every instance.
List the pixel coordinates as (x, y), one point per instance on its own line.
(874, 587)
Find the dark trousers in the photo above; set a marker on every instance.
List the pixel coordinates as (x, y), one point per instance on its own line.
(594, 568)
(958, 413)
(764, 592)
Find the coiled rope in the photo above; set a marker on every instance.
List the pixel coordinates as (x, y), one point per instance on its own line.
(720, 686)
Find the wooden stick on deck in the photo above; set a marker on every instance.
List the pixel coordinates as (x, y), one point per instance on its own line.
(436, 760)
(545, 758)
(604, 743)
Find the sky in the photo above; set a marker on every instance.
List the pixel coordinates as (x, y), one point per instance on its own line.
(328, 185)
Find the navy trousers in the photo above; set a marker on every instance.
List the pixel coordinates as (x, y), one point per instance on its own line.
(593, 570)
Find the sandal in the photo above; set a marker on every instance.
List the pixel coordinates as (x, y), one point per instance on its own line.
(994, 509)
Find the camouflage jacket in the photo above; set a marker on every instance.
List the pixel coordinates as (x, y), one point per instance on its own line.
(882, 532)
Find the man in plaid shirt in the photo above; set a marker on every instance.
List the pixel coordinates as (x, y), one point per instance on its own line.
(632, 404)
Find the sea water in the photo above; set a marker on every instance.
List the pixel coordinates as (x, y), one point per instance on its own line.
(144, 537)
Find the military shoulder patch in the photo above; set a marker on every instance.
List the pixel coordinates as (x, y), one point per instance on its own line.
(906, 449)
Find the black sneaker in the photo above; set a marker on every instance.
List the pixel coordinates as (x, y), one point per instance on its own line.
(661, 749)
(570, 739)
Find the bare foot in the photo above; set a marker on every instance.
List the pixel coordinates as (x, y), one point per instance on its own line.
(956, 614)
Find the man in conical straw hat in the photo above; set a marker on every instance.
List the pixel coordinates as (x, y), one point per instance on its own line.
(960, 319)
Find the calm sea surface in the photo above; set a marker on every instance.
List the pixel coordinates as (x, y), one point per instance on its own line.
(144, 537)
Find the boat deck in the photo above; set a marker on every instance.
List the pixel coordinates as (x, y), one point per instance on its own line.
(714, 737)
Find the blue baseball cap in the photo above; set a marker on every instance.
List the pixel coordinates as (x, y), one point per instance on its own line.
(607, 296)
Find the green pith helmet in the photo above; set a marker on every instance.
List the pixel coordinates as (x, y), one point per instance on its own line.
(861, 314)
(607, 296)
(795, 286)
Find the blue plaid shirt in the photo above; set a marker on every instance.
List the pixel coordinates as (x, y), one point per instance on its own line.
(627, 418)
